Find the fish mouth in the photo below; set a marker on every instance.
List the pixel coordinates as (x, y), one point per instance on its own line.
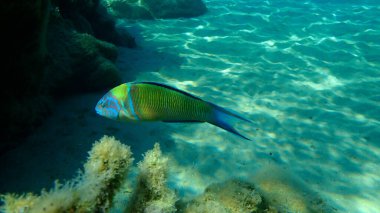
(99, 107)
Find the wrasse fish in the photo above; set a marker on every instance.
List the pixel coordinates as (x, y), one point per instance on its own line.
(150, 101)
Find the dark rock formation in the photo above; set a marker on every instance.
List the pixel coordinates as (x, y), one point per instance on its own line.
(150, 9)
(60, 47)
(78, 61)
(50, 48)
(23, 66)
(88, 16)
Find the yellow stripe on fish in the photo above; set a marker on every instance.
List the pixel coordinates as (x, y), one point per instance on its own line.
(150, 101)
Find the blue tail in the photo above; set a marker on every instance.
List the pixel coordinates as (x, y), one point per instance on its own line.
(224, 119)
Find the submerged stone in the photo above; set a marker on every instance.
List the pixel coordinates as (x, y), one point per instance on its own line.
(232, 196)
(150, 9)
(52, 47)
(80, 62)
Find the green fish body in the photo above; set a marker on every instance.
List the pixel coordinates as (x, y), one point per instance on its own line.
(149, 101)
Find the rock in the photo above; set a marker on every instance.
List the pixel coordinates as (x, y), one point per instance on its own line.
(24, 27)
(24, 57)
(232, 196)
(51, 48)
(79, 62)
(150, 9)
(88, 16)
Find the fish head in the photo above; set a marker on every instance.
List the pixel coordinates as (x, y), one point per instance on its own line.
(108, 106)
(116, 104)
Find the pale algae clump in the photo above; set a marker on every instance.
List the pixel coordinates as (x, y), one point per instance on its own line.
(232, 196)
(104, 174)
(152, 194)
(288, 193)
(103, 187)
(91, 191)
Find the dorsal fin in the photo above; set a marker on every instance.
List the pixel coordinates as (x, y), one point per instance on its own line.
(169, 87)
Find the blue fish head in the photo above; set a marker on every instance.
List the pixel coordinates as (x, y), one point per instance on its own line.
(108, 106)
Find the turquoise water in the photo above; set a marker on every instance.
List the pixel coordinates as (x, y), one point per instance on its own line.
(306, 73)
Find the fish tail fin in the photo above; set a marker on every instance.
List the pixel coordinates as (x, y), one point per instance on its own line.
(225, 120)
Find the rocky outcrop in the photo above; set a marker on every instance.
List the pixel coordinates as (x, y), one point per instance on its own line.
(232, 196)
(24, 31)
(61, 47)
(88, 16)
(78, 62)
(52, 48)
(150, 9)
